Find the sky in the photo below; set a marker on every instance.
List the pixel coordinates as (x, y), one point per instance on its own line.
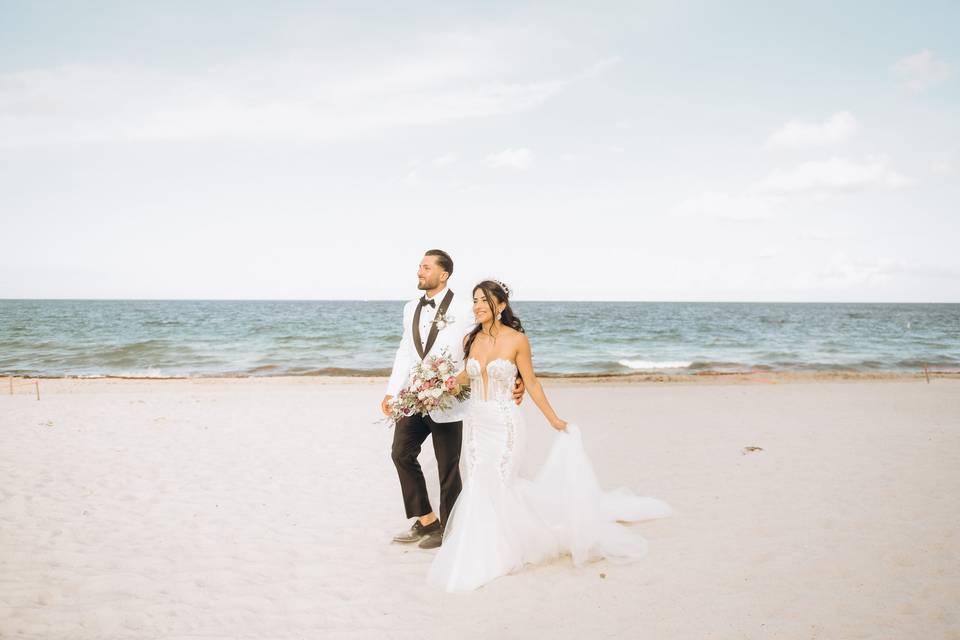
(696, 151)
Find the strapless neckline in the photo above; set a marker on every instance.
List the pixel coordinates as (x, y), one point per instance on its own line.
(486, 372)
(494, 360)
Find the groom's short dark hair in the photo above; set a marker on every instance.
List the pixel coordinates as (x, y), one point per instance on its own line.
(443, 259)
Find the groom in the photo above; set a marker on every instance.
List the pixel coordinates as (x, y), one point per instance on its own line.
(434, 322)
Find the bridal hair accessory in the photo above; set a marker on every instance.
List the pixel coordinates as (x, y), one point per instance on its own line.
(503, 285)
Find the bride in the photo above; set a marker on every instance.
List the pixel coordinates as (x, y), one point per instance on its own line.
(501, 521)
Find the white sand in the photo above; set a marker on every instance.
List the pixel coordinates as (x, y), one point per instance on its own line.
(263, 508)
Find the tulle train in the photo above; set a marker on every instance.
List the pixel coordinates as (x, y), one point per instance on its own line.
(497, 527)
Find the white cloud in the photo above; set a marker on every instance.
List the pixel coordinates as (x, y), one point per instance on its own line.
(742, 206)
(796, 133)
(921, 70)
(286, 97)
(822, 235)
(767, 198)
(841, 271)
(833, 176)
(945, 165)
(519, 159)
(444, 160)
(769, 251)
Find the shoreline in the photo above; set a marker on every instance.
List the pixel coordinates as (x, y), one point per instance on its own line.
(734, 377)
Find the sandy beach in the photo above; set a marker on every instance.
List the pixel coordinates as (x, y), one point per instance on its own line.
(264, 507)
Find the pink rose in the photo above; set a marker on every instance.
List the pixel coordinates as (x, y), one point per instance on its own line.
(451, 384)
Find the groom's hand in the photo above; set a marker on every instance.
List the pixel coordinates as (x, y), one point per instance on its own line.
(385, 405)
(518, 388)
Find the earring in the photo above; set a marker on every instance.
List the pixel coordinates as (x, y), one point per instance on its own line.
(499, 315)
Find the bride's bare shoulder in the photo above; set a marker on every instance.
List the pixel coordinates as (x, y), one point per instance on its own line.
(516, 337)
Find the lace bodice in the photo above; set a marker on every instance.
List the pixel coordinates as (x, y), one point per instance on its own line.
(501, 374)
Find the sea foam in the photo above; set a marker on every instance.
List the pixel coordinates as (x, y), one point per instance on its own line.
(645, 365)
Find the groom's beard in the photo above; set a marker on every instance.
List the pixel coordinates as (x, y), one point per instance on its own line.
(427, 285)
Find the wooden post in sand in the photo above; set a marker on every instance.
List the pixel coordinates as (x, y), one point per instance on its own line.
(37, 383)
(926, 373)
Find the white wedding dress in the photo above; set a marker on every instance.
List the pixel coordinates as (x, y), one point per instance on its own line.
(501, 522)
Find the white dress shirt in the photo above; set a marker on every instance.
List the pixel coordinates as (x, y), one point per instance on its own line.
(428, 313)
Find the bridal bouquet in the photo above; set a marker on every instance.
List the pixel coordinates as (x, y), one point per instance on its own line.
(432, 385)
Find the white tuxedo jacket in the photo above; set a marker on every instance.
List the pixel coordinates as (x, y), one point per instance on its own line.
(460, 318)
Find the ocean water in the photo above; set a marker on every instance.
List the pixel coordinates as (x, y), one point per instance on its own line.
(266, 338)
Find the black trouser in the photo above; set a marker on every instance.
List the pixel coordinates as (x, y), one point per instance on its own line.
(408, 435)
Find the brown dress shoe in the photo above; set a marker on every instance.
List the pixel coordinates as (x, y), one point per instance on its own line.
(432, 541)
(417, 532)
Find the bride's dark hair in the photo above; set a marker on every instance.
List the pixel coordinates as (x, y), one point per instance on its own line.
(495, 293)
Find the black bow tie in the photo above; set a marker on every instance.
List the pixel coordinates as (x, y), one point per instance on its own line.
(424, 302)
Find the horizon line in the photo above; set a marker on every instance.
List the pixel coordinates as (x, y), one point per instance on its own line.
(592, 300)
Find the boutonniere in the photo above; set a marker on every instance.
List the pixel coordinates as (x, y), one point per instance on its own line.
(443, 320)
